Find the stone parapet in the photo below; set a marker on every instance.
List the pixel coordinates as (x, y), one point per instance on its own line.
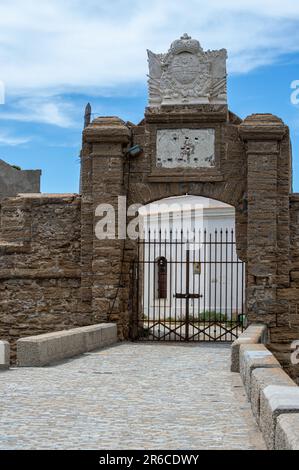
(41, 350)
(270, 390)
(262, 378)
(254, 334)
(254, 356)
(275, 401)
(287, 432)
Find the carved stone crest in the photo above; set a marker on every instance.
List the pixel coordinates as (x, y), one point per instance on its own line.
(187, 75)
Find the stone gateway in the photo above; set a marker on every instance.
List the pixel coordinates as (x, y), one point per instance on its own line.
(55, 273)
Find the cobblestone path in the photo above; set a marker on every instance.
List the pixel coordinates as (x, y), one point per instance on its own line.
(147, 396)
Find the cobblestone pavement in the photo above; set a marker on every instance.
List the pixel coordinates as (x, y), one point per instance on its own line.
(147, 396)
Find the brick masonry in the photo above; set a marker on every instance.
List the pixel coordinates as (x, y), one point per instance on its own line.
(56, 273)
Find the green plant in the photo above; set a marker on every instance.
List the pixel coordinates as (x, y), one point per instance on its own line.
(208, 316)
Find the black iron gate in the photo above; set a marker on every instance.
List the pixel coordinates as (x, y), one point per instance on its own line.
(189, 287)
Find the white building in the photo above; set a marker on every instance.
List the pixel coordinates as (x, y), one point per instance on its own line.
(189, 250)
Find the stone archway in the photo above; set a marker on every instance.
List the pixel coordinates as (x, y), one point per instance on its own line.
(250, 169)
(247, 178)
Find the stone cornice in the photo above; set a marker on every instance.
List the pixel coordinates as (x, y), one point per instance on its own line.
(107, 129)
(262, 127)
(184, 114)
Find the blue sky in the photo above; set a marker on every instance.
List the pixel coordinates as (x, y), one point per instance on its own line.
(56, 56)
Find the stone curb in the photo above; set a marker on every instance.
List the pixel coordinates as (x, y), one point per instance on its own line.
(254, 356)
(41, 350)
(274, 396)
(254, 334)
(262, 378)
(275, 401)
(287, 432)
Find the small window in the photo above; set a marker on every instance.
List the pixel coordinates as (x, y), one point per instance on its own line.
(161, 278)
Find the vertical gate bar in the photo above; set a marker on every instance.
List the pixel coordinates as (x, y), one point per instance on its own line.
(237, 288)
(194, 301)
(187, 291)
(167, 274)
(181, 281)
(141, 277)
(136, 273)
(176, 280)
(215, 282)
(159, 299)
(232, 280)
(210, 283)
(146, 272)
(154, 263)
(220, 293)
(199, 282)
(140, 298)
(205, 282)
(170, 278)
(242, 294)
(149, 266)
(226, 274)
(143, 319)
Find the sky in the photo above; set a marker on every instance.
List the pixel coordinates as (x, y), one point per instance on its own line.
(55, 56)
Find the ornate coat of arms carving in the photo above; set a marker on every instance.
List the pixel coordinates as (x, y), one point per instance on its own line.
(187, 75)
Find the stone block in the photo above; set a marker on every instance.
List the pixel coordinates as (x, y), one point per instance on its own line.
(275, 401)
(287, 432)
(262, 378)
(93, 337)
(37, 351)
(109, 334)
(254, 334)
(254, 356)
(4, 355)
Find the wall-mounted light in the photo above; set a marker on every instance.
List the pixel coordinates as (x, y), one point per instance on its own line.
(135, 151)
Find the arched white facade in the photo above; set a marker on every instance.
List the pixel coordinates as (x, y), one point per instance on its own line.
(205, 228)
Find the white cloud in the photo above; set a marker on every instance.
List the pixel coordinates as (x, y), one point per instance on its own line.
(73, 45)
(41, 109)
(13, 141)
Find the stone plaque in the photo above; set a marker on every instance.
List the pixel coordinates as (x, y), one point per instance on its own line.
(185, 148)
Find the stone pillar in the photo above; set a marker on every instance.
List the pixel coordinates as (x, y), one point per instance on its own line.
(104, 147)
(267, 208)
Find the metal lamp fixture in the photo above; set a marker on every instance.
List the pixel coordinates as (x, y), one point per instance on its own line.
(135, 151)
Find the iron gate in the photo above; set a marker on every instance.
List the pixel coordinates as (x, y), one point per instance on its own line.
(189, 287)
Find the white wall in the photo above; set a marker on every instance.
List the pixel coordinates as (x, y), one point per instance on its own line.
(222, 274)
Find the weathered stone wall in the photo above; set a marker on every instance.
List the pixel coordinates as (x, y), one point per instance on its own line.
(108, 172)
(40, 265)
(287, 329)
(56, 273)
(102, 176)
(252, 173)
